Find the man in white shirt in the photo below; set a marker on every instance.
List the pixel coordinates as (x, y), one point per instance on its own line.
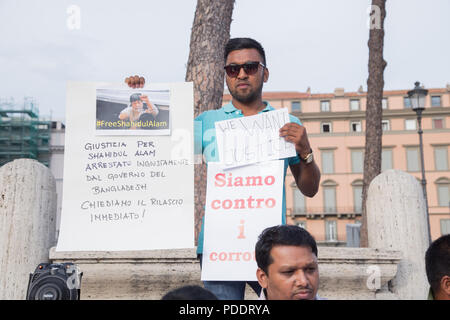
(287, 264)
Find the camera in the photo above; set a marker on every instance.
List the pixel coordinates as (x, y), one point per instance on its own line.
(56, 281)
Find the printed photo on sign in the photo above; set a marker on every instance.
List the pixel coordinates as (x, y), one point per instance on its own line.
(132, 112)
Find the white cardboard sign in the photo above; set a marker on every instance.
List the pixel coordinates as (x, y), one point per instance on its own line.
(122, 191)
(253, 139)
(240, 203)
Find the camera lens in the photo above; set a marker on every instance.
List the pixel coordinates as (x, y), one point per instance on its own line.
(49, 292)
(50, 288)
(54, 282)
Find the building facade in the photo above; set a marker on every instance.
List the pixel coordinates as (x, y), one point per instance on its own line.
(335, 123)
(23, 133)
(26, 134)
(56, 165)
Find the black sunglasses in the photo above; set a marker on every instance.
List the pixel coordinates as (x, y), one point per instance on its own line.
(250, 68)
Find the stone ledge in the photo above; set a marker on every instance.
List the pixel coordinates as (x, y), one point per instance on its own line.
(139, 256)
(150, 274)
(358, 255)
(325, 253)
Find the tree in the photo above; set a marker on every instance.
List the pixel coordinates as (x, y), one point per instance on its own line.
(374, 111)
(210, 32)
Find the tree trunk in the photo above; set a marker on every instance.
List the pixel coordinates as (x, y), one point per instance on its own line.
(210, 32)
(374, 111)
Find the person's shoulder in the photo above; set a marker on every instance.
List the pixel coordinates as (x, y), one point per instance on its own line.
(294, 119)
(209, 114)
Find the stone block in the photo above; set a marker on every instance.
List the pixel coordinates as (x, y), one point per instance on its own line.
(397, 220)
(27, 223)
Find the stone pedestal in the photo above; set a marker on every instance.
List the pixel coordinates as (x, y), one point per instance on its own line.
(344, 272)
(397, 220)
(357, 273)
(27, 223)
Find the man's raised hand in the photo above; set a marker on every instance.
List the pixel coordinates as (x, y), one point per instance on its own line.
(135, 81)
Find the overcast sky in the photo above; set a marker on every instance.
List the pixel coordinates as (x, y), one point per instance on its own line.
(320, 44)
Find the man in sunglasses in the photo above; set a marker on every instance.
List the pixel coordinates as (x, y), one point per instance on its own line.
(245, 73)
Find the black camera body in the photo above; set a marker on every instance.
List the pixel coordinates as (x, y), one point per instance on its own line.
(56, 281)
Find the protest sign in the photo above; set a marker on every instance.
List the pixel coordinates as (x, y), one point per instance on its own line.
(127, 192)
(240, 203)
(253, 139)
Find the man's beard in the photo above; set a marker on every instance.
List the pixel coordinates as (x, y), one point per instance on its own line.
(248, 97)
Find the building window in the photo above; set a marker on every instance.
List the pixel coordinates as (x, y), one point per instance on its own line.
(441, 158)
(443, 190)
(443, 196)
(384, 103)
(357, 195)
(355, 126)
(445, 227)
(326, 127)
(299, 200)
(325, 105)
(327, 161)
(435, 101)
(331, 230)
(412, 159)
(385, 125)
(410, 124)
(386, 159)
(296, 106)
(406, 102)
(329, 196)
(357, 161)
(354, 104)
(301, 224)
(438, 123)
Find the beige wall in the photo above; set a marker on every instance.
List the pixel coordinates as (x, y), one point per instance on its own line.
(317, 227)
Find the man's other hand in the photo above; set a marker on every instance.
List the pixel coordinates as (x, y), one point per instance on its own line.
(295, 133)
(135, 81)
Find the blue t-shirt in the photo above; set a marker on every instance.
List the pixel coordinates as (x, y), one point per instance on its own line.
(205, 137)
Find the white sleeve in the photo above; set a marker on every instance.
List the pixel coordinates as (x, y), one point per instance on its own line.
(156, 110)
(125, 111)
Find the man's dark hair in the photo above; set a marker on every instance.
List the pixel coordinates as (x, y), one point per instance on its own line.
(244, 43)
(135, 97)
(437, 261)
(284, 235)
(189, 293)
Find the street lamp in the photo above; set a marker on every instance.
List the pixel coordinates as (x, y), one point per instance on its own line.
(417, 99)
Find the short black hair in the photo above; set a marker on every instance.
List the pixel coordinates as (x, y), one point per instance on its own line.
(286, 235)
(135, 97)
(189, 293)
(437, 261)
(244, 43)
